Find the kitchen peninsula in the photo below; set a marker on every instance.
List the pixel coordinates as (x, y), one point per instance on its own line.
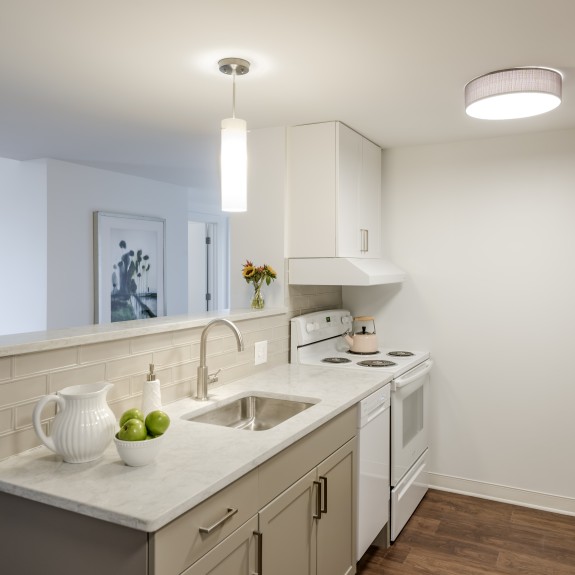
(133, 505)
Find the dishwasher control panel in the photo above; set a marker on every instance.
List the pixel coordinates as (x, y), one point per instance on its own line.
(374, 404)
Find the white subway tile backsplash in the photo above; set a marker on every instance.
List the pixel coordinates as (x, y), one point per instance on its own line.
(104, 351)
(172, 356)
(281, 332)
(178, 391)
(120, 390)
(21, 390)
(184, 371)
(30, 363)
(18, 441)
(6, 416)
(125, 362)
(151, 342)
(185, 336)
(76, 376)
(128, 366)
(5, 368)
(23, 413)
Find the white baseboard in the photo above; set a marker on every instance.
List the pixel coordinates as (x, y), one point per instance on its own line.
(536, 500)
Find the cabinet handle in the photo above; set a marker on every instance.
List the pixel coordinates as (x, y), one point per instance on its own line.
(208, 530)
(324, 479)
(364, 240)
(317, 501)
(260, 543)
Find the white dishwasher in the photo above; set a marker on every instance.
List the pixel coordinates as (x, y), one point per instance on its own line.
(373, 485)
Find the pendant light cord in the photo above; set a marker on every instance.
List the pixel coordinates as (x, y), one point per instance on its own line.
(234, 90)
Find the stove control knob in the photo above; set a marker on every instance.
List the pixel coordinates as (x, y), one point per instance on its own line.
(311, 326)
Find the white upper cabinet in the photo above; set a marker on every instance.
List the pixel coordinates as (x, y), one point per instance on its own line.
(370, 198)
(334, 192)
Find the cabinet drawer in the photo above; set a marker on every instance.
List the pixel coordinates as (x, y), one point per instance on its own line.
(288, 466)
(236, 555)
(180, 543)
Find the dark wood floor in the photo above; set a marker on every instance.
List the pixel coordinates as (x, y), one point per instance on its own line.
(452, 534)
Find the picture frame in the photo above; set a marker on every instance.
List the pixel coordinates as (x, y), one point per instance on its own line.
(129, 267)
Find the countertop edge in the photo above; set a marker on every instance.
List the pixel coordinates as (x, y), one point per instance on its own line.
(18, 344)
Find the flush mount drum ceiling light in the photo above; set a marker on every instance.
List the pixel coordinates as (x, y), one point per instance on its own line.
(513, 93)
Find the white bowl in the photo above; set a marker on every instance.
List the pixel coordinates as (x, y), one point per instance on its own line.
(138, 453)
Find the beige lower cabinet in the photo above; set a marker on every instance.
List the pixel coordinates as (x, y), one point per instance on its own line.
(309, 528)
(294, 514)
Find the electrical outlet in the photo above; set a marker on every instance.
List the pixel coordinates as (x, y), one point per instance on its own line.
(261, 352)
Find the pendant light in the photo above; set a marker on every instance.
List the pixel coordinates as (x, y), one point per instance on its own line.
(513, 93)
(234, 154)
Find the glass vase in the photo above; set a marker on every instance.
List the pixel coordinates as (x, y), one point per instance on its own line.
(258, 298)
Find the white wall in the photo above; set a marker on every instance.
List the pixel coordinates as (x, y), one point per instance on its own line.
(258, 234)
(486, 232)
(74, 193)
(23, 252)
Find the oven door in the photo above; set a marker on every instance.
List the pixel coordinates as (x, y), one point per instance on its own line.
(409, 409)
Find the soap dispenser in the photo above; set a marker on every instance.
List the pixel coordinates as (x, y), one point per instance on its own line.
(151, 396)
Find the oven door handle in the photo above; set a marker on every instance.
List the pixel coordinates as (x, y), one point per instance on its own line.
(413, 374)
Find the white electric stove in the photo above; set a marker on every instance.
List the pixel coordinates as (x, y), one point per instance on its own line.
(317, 339)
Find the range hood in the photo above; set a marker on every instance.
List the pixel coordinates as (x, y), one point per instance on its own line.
(343, 271)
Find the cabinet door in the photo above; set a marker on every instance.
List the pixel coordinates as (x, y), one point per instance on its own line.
(349, 166)
(235, 555)
(370, 200)
(312, 190)
(336, 528)
(289, 530)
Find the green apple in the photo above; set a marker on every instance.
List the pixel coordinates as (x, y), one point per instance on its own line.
(157, 422)
(133, 430)
(133, 413)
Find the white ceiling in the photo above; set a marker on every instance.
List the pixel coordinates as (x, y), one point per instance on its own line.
(133, 85)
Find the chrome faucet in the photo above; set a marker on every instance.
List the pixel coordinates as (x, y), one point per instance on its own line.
(203, 377)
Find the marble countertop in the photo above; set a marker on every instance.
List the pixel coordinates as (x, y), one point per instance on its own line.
(196, 461)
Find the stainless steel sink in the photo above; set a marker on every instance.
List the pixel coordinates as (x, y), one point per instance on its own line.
(254, 412)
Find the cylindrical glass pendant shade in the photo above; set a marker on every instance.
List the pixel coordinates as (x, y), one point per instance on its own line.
(234, 165)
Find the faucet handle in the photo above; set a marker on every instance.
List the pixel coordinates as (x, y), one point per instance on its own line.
(213, 377)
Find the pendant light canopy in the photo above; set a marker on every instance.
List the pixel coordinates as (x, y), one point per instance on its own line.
(513, 93)
(234, 154)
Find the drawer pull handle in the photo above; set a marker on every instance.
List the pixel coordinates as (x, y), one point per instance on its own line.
(208, 530)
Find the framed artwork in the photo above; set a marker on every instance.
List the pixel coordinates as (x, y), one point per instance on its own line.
(129, 267)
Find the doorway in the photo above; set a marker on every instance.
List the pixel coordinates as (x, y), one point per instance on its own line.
(201, 268)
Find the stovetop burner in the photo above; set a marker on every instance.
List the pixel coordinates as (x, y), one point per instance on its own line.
(363, 352)
(376, 363)
(336, 360)
(400, 353)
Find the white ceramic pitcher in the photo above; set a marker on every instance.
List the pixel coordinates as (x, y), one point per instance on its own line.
(84, 425)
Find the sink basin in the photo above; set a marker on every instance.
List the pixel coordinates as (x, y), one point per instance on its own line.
(254, 412)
